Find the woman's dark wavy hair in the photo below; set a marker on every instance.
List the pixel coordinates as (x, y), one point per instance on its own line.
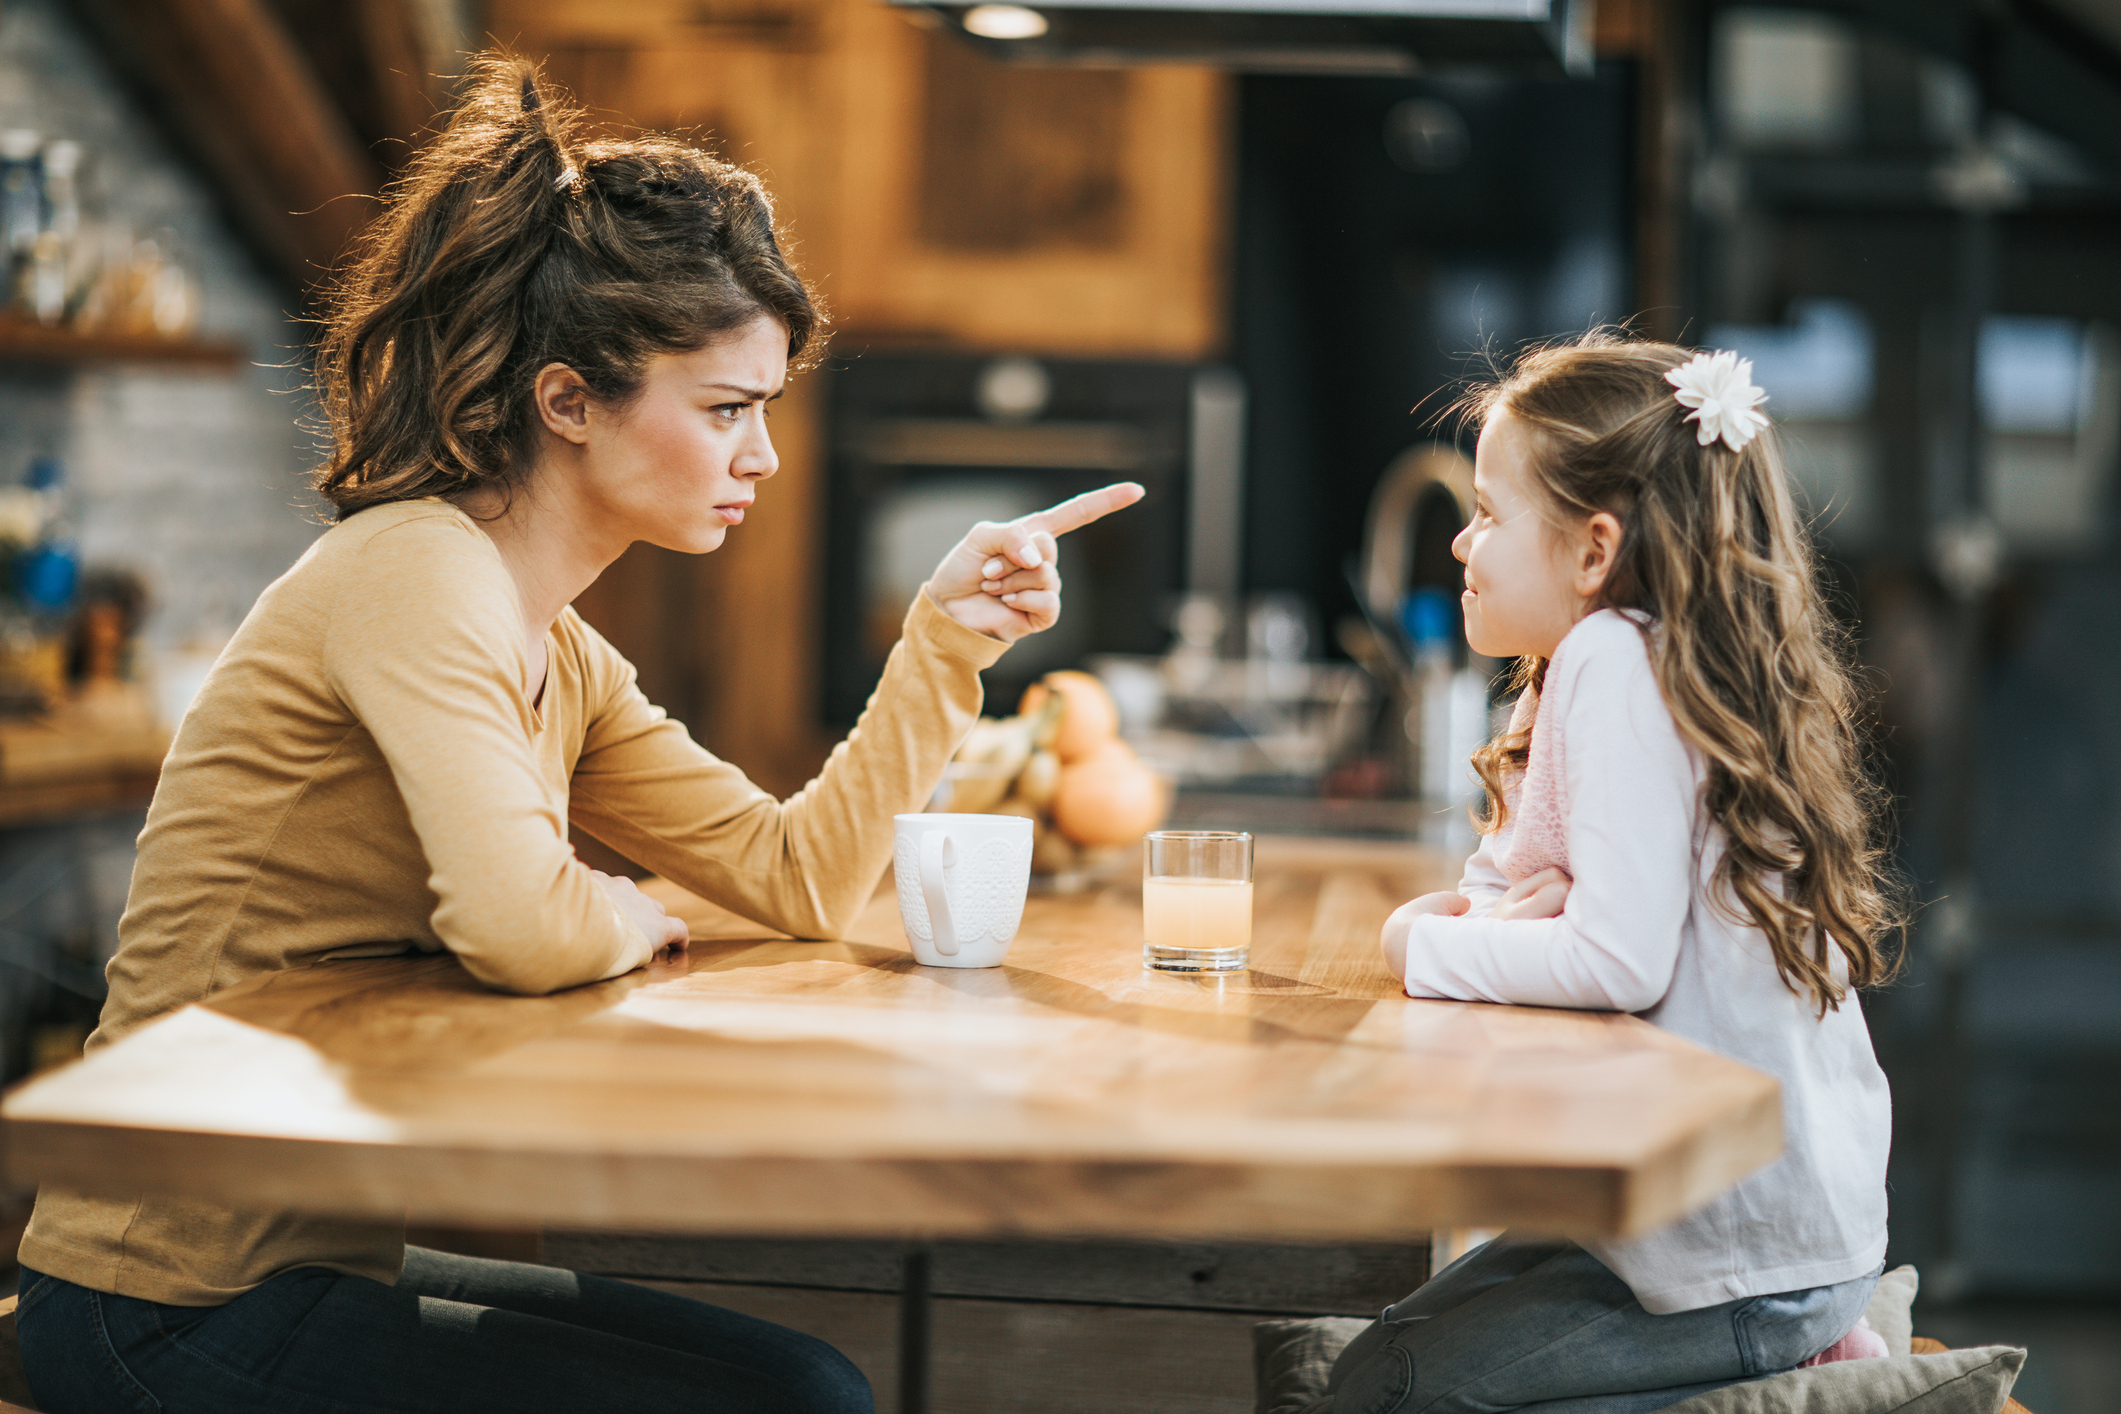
(1747, 657)
(511, 244)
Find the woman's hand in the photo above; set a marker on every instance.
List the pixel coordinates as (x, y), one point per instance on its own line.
(1540, 895)
(661, 930)
(1401, 923)
(1002, 579)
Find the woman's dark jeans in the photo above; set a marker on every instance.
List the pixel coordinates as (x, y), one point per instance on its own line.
(457, 1334)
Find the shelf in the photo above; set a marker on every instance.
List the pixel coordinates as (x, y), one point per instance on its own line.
(64, 801)
(22, 342)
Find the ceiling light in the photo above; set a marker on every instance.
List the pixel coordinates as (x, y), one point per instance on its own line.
(1004, 22)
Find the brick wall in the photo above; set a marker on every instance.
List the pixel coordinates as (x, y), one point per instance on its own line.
(194, 479)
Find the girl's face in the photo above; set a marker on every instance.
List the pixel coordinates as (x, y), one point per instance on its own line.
(678, 465)
(1522, 578)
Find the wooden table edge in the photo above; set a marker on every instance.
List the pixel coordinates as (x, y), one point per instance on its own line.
(851, 1197)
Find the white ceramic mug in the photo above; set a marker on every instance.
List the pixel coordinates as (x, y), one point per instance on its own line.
(961, 882)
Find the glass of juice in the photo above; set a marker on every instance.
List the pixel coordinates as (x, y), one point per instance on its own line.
(1196, 900)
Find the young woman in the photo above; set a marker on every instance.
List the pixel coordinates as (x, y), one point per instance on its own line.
(551, 349)
(1684, 831)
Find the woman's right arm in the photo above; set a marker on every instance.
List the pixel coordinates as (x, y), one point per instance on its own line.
(804, 865)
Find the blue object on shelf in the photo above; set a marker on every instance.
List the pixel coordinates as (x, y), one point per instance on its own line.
(47, 576)
(1428, 618)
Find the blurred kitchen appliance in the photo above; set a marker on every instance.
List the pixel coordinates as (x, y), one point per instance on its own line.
(925, 444)
(1280, 36)
(1408, 583)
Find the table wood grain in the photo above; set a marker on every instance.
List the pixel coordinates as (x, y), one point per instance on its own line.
(763, 1085)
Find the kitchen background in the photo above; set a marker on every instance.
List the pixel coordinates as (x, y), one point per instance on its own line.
(1250, 281)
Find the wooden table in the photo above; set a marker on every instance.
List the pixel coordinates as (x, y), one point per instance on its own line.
(772, 1086)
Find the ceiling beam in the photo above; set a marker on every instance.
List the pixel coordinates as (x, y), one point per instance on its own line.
(2035, 60)
(235, 92)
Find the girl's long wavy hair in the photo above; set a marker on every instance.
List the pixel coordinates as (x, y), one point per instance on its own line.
(1749, 660)
(509, 244)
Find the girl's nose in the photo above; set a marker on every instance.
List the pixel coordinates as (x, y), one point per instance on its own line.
(1462, 544)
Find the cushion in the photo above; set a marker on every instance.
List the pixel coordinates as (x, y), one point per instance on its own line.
(1923, 1346)
(1291, 1359)
(1975, 1381)
(1888, 1313)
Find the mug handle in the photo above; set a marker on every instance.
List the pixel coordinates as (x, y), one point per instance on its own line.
(937, 852)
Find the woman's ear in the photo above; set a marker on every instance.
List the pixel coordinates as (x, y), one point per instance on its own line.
(1597, 551)
(562, 401)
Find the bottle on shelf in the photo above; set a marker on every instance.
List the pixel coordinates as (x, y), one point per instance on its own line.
(21, 208)
(1448, 719)
(36, 538)
(47, 574)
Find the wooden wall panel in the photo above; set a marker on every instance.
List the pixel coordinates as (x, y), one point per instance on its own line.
(1155, 292)
(1017, 159)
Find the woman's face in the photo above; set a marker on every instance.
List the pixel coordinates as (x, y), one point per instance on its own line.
(678, 465)
(1521, 597)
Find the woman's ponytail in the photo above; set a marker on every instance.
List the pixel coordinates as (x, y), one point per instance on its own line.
(510, 244)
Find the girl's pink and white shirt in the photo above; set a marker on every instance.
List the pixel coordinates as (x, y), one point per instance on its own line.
(1538, 833)
(1611, 794)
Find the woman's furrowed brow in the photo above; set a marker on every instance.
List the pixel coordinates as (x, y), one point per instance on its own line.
(754, 395)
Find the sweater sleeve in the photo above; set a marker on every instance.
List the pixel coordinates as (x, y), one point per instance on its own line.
(808, 864)
(1632, 787)
(424, 647)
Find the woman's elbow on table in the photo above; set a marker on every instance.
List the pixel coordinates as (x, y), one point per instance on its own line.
(531, 955)
(814, 921)
(813, 900)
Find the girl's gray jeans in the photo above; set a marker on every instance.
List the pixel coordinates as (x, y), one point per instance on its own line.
(1547, 1327)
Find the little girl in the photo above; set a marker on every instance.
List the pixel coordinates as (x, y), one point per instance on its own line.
(1681, 828)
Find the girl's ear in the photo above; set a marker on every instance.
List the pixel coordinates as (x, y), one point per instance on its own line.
(562, 401)
(1597, 551)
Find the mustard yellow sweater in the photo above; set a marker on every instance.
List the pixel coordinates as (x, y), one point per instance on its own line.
(363, 774)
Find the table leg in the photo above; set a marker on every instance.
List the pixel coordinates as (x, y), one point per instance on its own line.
(913, 1333)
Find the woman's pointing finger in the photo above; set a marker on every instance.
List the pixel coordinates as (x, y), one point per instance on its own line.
(1078, 511)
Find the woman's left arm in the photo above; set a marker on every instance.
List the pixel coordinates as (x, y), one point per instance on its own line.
(806, 865)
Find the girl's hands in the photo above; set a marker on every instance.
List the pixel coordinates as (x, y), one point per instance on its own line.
(1538, 895)
(1401, 923)
(1002, 579)
(666, 933)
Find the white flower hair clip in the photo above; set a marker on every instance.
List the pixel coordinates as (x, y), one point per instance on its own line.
(1719, 388)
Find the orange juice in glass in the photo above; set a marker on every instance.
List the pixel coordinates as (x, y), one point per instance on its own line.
(1196, 900)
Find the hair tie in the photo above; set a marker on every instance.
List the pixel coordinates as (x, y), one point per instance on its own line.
(566, 180)
(1719, 388)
